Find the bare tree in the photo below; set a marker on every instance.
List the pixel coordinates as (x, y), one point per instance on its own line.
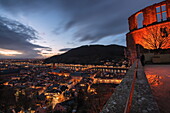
(156, 37)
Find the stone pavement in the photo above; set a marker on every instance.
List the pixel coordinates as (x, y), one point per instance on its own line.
(142, 101)
(159, 80)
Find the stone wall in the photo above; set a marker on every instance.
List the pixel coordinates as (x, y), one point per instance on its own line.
(149, 14)
(150, 23)
(142, 101)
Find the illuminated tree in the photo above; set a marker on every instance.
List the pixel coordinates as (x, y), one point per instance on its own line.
(156, 37)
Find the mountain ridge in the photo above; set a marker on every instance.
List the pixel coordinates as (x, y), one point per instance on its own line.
(89, 54)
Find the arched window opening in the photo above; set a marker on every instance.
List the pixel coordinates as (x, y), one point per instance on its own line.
(139, 20)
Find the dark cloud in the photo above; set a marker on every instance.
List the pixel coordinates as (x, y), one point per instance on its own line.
(46, 53)
(49, 49)
(65, 49)
(91, 20)
(16, 36)
(97, 19)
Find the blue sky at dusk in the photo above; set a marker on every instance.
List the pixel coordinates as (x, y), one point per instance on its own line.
(42, 28)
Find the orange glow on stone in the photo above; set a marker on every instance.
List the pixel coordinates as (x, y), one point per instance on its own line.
(154, 80)
(150, 36)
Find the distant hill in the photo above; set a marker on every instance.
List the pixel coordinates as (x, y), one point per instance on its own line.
(92, 54)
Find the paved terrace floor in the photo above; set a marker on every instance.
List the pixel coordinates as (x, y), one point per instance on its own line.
(159, 80)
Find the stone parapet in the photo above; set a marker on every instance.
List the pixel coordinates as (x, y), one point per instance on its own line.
(142, 101)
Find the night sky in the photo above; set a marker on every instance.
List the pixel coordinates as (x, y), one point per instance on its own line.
(42, 28)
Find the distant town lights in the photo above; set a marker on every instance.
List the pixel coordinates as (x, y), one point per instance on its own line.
(8, 52)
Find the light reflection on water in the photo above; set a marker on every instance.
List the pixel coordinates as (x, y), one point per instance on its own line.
(159, 79)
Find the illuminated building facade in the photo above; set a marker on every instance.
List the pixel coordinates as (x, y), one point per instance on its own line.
(150, 28)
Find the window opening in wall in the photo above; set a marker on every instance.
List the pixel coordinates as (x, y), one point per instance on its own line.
(140, 20)
(161, 13)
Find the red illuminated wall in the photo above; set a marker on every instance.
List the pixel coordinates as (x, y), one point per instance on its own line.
(150, 21)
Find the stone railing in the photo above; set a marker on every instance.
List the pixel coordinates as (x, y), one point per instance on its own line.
(133, 95)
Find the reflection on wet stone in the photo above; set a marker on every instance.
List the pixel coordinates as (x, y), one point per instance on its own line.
(159, 78)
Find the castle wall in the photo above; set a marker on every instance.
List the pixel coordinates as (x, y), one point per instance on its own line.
(150, 21)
